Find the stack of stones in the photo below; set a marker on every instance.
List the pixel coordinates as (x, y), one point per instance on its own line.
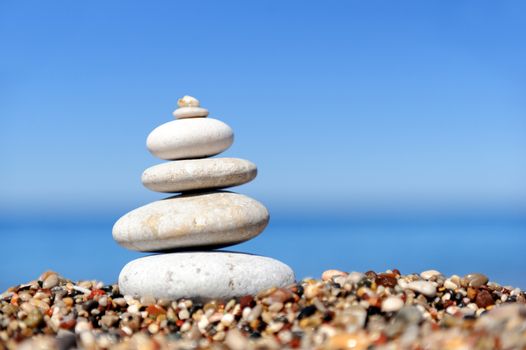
(187, 227)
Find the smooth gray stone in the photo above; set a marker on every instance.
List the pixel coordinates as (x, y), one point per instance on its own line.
(190, 138)
(196, 174)
(213, 219)
(202, 275)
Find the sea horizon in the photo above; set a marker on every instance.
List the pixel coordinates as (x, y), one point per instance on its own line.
(81, 247)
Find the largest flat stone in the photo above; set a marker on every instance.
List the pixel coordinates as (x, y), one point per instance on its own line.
(214, 219)
(203, 275)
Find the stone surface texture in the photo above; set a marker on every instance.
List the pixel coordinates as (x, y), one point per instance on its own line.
(209, 219)
(202, 275)
(190, 138)
(195, 174)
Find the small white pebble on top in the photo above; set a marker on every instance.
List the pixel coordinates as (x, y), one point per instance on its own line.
(188, 101)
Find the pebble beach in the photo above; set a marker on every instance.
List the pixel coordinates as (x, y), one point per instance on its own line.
(370, 310)
(189, 294)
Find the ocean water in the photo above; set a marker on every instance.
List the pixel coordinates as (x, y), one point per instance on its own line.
(86, 250)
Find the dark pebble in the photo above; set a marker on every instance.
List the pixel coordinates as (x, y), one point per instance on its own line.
(373, 310)
(370, 274)
(484, 299)
(255, 335)
(261, 326)
(328, 316)
(93, 320)
(281, 318)
(247, 300)
(66, 340)
(107, 289)
(299, 289)
(386, 280)
(364, 282)
(195, 307)
(90, 305)
(307, 311)
(458, 297)
(511, 299)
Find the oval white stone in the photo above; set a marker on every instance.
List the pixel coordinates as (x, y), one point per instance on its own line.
(214, 219)
(428, 274)
(424, 287)
(202, 275)
(190, 138)
(194, 174)
(392, 303)
(190, 112)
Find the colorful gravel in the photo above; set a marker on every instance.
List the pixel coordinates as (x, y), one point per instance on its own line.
(341, 311)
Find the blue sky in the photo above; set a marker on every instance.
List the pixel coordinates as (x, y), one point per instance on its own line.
(343, 105)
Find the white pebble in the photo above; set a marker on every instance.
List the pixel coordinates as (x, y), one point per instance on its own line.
(275, 327)
(472, 306)
(183, 314)
(466, 311)
(185, 327)
(330, 274)
(81, 289)
(132, 309)
(423, 287)
(227, 319)
(449, 284)
(188, 101)
(82, 326)
(427, 275)
(403, 283)
(246, 312)
(452, 309)
(87, 339)
(355, 277)
(235, 340)
(103, 301)
(392, 304)
(127, 330)
(202, 324)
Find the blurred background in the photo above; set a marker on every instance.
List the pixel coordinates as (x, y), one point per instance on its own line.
(386, 134)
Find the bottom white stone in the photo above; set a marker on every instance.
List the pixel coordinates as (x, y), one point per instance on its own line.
(202, 275)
